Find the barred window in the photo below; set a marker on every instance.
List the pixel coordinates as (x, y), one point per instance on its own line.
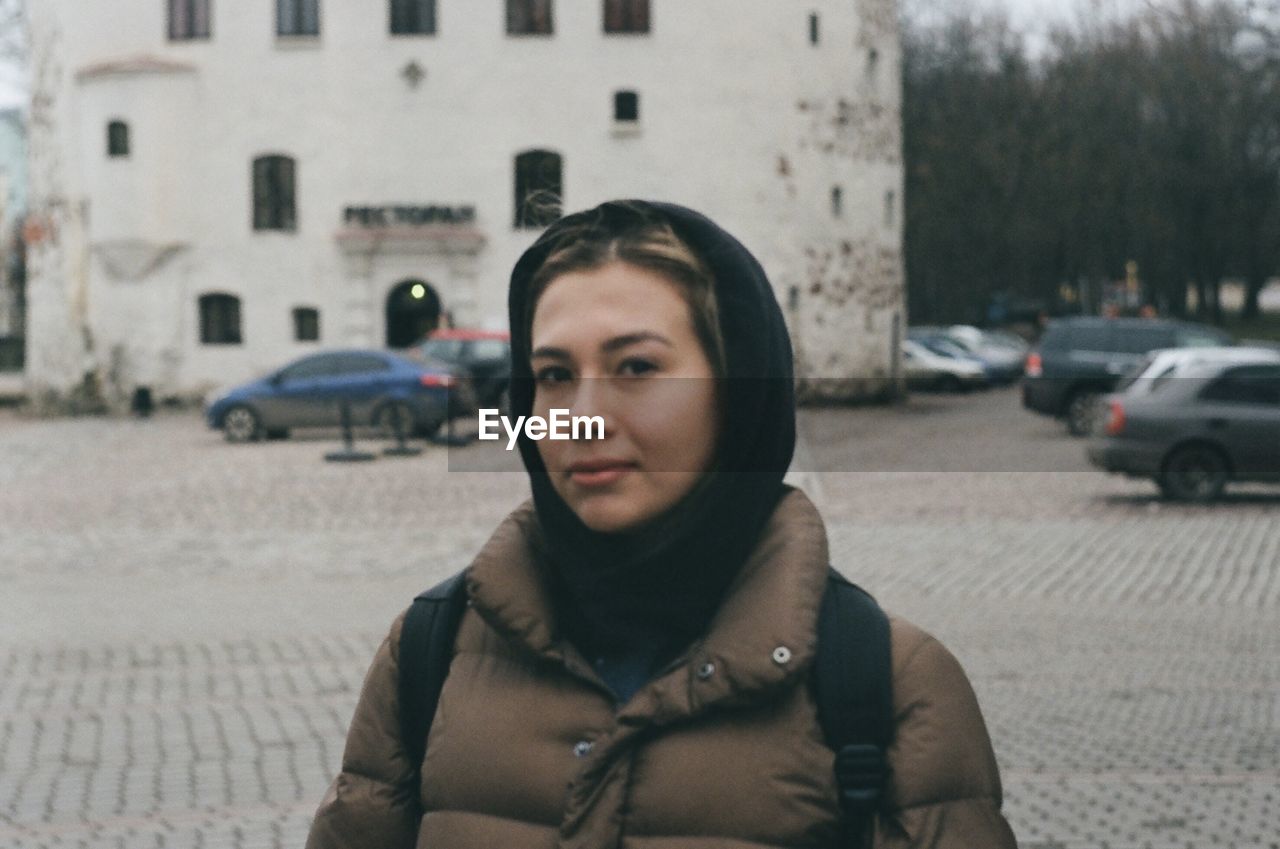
(274, 193)
(529, 17)
(306, 324)
(117, 139)
(539, 188)
(188, 19)
(413, 17)
(297, 17)
(626, 106)
(626, 16)
(220, 320)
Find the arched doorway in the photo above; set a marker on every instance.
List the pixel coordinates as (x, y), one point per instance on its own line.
(413, 311)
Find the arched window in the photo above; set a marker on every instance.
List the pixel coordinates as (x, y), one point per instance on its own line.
(220, 320)
(274, 194)
(117, 138)
(306, 324)
(626, 16)
(188, 19)
(529, 17)
(626, 106)
(413, 17)
(297, 17)
(539, 188)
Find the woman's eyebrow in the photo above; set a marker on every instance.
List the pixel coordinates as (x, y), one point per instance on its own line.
(548, 351)
(623, 341)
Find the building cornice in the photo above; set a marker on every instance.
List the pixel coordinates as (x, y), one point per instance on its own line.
(133, 66)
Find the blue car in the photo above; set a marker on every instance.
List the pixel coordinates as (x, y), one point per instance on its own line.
(380, 388)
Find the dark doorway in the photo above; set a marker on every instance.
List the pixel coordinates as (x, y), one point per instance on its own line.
(413, 311)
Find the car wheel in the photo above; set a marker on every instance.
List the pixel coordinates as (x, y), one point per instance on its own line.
(1194, 473)
(241, 424)
(394, 414)
(1082, 412)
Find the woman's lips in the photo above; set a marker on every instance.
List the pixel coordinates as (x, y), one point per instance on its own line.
(596, 474)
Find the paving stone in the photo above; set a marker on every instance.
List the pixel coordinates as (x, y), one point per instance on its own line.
(185, 625)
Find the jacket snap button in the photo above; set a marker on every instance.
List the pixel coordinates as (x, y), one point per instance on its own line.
(781, 655)
(582, 748)
(706, 670)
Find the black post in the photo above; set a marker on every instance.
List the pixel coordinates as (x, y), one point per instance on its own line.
(400, 449)
(348, 454)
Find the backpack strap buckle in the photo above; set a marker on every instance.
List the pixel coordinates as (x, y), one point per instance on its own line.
(860, 774)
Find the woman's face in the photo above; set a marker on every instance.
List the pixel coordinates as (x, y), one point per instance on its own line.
(618, 342)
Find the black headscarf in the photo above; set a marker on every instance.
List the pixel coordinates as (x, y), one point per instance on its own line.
(657, 588)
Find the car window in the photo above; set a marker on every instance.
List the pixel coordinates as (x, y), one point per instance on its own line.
(321, 365)
(1139, 370)
(1194, 338)
(1164, 378)
(489, 349)
(1140, 340)
(449, 350)
(362, 363)
(1090, 338)
(1254, 384)
(1055, 339)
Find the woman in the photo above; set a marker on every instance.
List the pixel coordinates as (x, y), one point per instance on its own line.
(632, 667)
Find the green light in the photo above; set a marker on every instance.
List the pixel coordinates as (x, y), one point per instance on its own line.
(418, 291)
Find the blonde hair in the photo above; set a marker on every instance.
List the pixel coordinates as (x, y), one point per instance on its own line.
(627, 233)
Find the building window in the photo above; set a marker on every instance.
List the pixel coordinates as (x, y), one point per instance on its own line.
(626, 106)
(890, 209)
(297, 17)
(413, 17)
(626, 16)
(306, 324)
(539, 189)
(117, 139)
(220, 320)
(837, 201)
(529, 17)
(274, 196)
(188, 19)
(813, 28)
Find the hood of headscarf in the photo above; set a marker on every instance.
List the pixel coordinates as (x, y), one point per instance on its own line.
(658, 587)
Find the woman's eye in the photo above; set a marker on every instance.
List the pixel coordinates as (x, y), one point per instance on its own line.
(635, 367)
(551, 374)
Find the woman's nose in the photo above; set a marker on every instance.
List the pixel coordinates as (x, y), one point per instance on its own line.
(593, 398)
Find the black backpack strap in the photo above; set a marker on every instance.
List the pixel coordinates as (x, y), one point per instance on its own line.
(854, 688)
(426, 649)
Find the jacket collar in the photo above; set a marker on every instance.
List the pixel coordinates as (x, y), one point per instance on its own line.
(762, 638)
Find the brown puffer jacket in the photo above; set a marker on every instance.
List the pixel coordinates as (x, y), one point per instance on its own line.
(721, 751)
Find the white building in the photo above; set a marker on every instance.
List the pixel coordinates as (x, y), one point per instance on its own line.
(218, 186)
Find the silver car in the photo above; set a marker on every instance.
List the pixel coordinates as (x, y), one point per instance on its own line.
(1195, 428)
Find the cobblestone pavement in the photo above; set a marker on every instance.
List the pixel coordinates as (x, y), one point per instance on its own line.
(184, 624)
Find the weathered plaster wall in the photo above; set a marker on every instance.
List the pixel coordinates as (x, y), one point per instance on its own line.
(741, 116)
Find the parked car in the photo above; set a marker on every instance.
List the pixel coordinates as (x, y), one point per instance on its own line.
(1004, 360)
(485, 355)
(1199, 426)
(1163, 364)
(1080, 359)
(925, 368)
(380, 388)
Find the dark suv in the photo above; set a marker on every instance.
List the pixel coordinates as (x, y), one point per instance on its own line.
(1080, 359)
(484, 354)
